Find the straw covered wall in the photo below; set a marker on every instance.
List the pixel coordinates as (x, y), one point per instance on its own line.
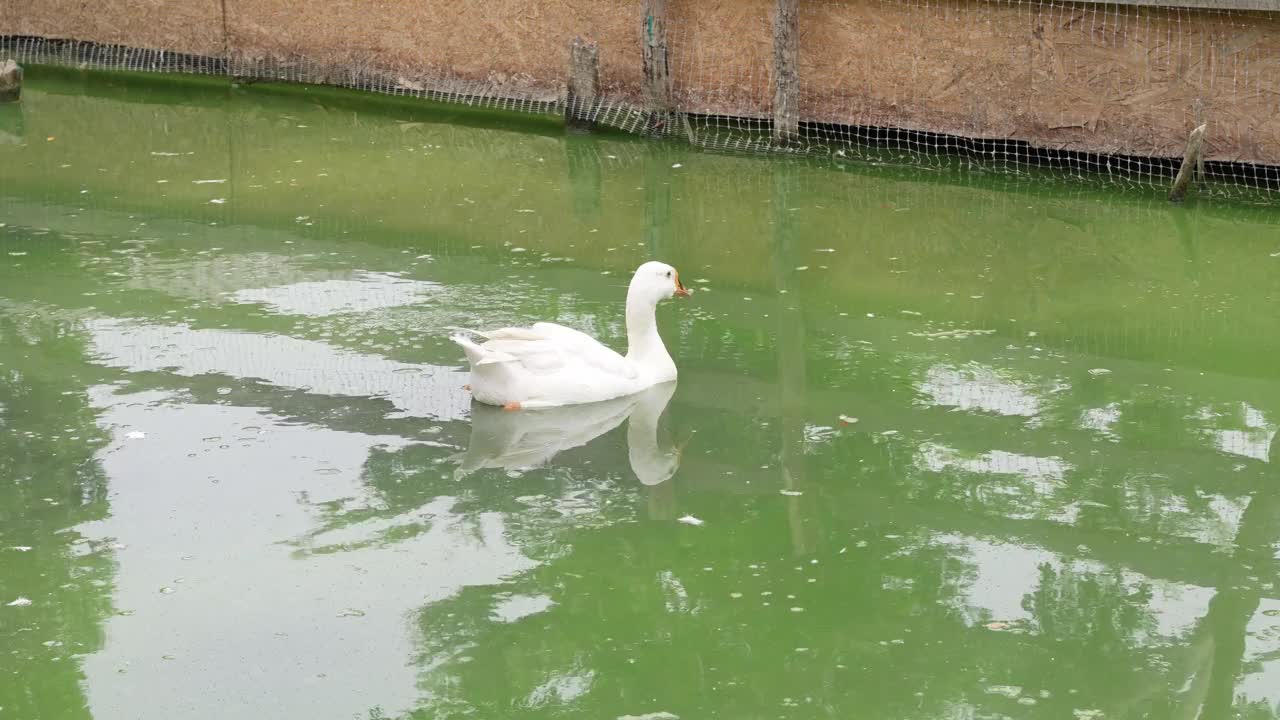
(1115, 79)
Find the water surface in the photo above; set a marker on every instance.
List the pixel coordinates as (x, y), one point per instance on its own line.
(941, 446)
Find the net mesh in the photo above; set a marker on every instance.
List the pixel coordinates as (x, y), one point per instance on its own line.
(1092, 92)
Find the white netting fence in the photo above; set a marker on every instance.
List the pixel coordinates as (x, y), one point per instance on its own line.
(1032, 89)
(908, 105)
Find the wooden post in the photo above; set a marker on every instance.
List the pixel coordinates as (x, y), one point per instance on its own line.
(657, 71)
(584, 76)
(1190, 159)
(10, 81)
(786, 74)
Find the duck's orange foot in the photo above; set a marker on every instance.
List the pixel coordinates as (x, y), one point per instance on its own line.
(511, 406)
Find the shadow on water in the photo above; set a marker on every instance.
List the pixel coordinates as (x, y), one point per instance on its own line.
(957, 451)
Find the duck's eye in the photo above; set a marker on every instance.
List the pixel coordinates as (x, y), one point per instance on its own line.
(668, 273)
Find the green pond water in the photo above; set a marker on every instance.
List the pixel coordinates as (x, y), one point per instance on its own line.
(959, 448)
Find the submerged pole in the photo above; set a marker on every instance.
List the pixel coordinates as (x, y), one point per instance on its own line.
(584, 76)
(786, 75)
(1190, 160)
(10, 81)
(657, 71)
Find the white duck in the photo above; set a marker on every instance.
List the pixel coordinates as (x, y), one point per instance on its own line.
(549, 365)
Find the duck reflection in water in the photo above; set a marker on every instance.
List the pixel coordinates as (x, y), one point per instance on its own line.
(531, 438)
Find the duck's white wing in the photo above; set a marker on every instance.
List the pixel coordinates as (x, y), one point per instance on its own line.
(548, 347)
(536, 355)
(588, 349)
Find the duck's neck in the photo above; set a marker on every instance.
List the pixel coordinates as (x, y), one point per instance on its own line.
(644, 345)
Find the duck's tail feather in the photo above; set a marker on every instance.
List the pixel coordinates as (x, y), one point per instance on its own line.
(478, 355)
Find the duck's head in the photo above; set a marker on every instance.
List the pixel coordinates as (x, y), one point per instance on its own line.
(656, 281)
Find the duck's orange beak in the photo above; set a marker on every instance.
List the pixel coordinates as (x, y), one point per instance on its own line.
(681, 290)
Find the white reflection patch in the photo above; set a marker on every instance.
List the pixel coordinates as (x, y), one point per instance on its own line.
(1252, 442)
(370, 291)
(977, 388)
(1101, 419)
(417, 390)
(936, 458)
(515, 607)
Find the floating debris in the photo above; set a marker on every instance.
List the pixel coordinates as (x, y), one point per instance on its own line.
(208, 182)
(1009, 691)
(792, 493)
(997, 626)
(136, 435)
(351, 612)
(661, 715)
(951, 334)
(848, 420)
(1099, 371)
(218, 201)
(166, 590)
(690, 520)
(20, 602)
(21, 548)
(677, 166)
